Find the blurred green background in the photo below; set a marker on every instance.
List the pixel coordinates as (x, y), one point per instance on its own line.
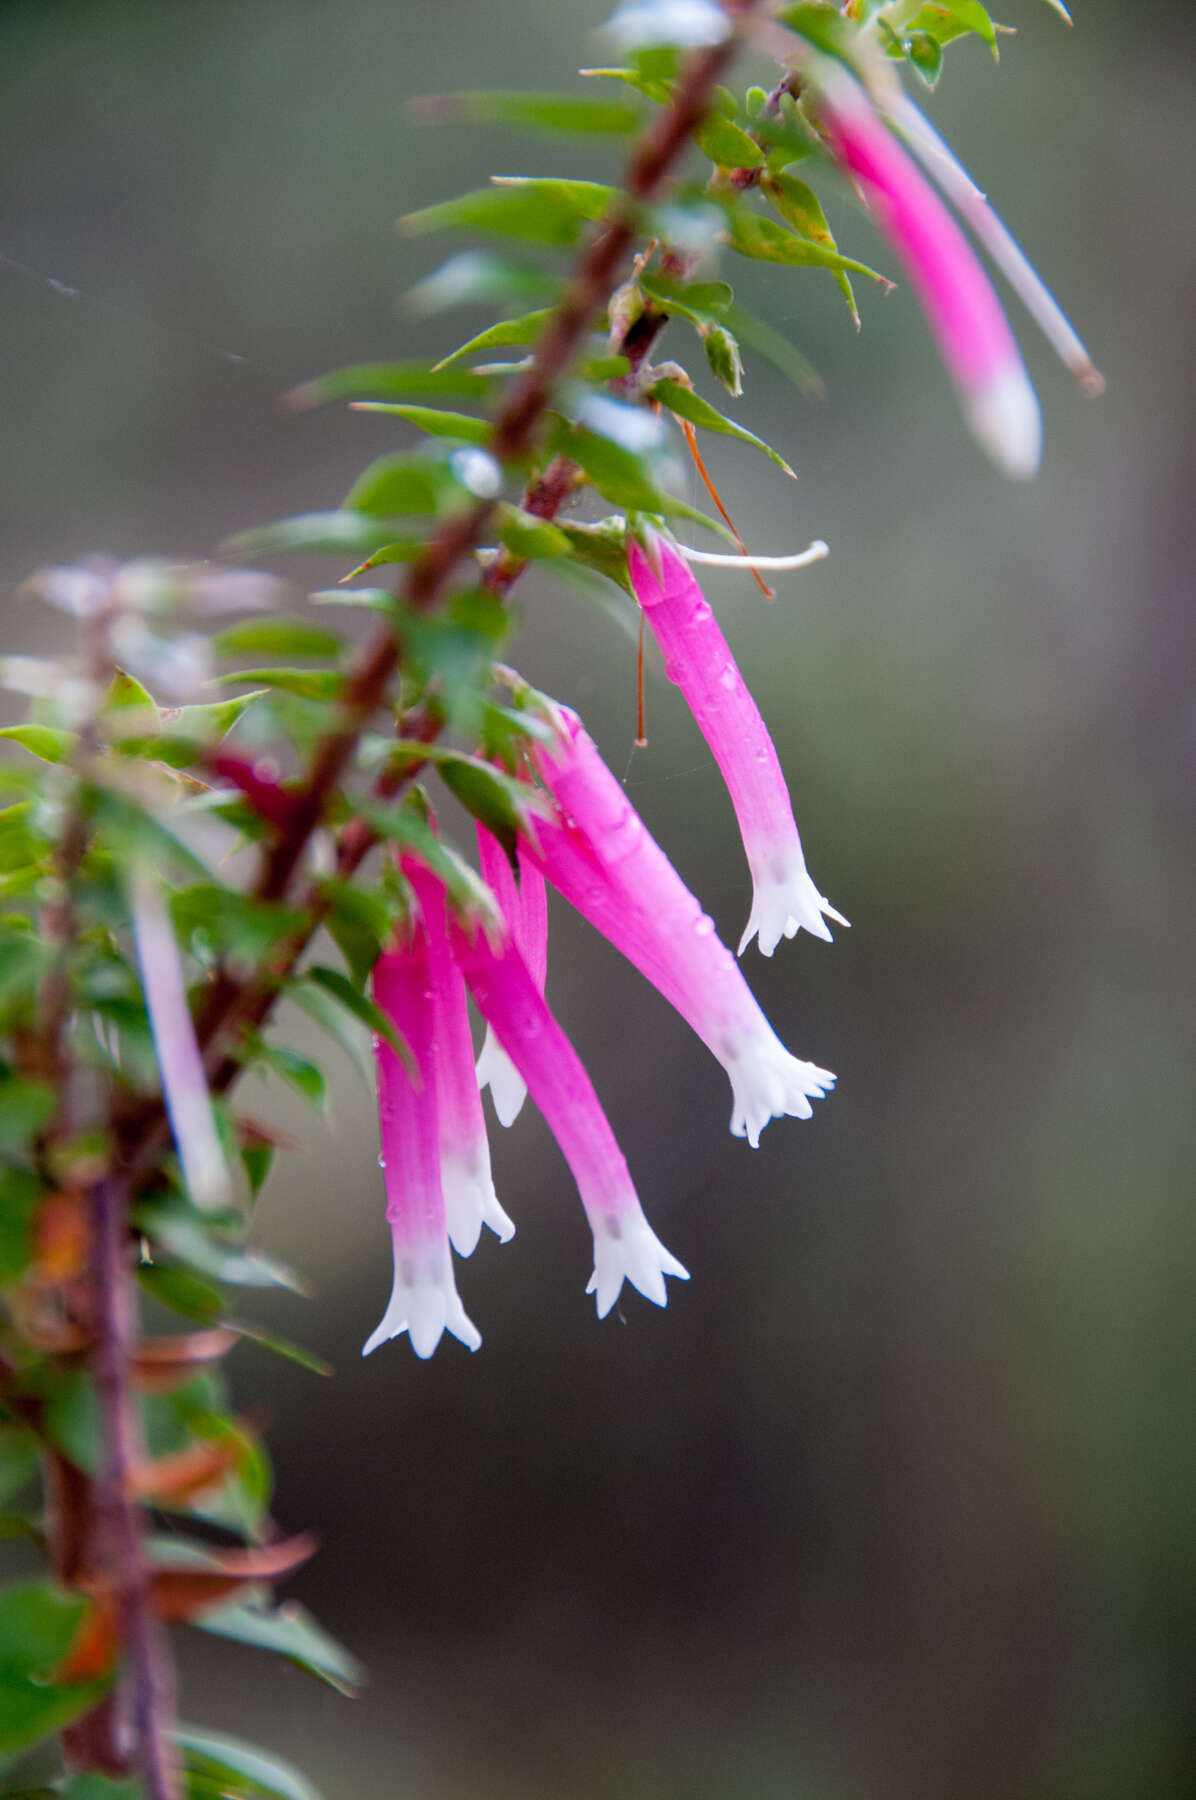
(896, 1499)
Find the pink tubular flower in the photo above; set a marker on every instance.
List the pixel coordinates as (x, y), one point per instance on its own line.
(698, 660)
(603, 860)
(625, 1246)
(964, 313)
(424, 1301)
(466, 1181)
(524, 906)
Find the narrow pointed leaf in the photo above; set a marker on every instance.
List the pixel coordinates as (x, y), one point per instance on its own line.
(543, 112)
(507, 332)
(276, 637)
(360, 1005)
(342, 533)
(45, 742)
(688, 405)
(218, 1765)
(288, 1631)
(433, 422)
(363, 381)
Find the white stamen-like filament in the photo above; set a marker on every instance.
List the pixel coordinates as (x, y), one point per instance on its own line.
(717, 559)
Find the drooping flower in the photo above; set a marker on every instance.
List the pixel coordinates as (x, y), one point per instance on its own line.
(466, 1180)
(509, 999)
(424, 1301)
(697, 658)
(524, 905)
(963, 311)
(601, 857)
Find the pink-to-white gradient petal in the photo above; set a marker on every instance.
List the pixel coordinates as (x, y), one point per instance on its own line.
(625, 1247)
(601, 857)
(466, 1180)
(698, 660)
(424, 1301)
(524, 906)
(963, 311)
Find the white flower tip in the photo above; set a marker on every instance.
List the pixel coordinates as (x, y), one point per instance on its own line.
(508, 1090)
(425, 1304)
(470, 1200)
(627, 1249)
(767, 1083)
(1005, 417)
(785, 902)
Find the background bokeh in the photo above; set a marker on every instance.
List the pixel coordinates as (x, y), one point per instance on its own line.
(896, 1498)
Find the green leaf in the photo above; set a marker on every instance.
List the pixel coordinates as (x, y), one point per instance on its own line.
(688, 405)
(299, 1072)
(72, 1421)
(289, 1631)
(20, 1193)
(529, 538)
(822, 25)
(763, 240)
(25, 959)
(947, 20)
(481, 278)
(126, 691)
(257, 1160)
(18, 1460)
(21, 842)
(507, 332)
(183, 1292)
(276, 637)
(698, 301)
(225, 1766)
(363, 381)
(346, 1030)
(402, 550)
(602, 547)
(178, 1231)
(926, 55)
(650, 85)
(537, 210)
(361, 924)
(233, 922)
(361, 1007)
(90, 1786)
(133, 832)
(620, 475)
(800, 207)
(727, 144)
(758, 335)
(43, 741)
(340, 533)
(402, 481)
(407, 825)
(26, 1108)
(543, 112)
(496, 799)
(309, 684)
(37, 1627)
(280, 1346)
(178, 736)
(456, 648)
(724, 358)
(434, 423)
